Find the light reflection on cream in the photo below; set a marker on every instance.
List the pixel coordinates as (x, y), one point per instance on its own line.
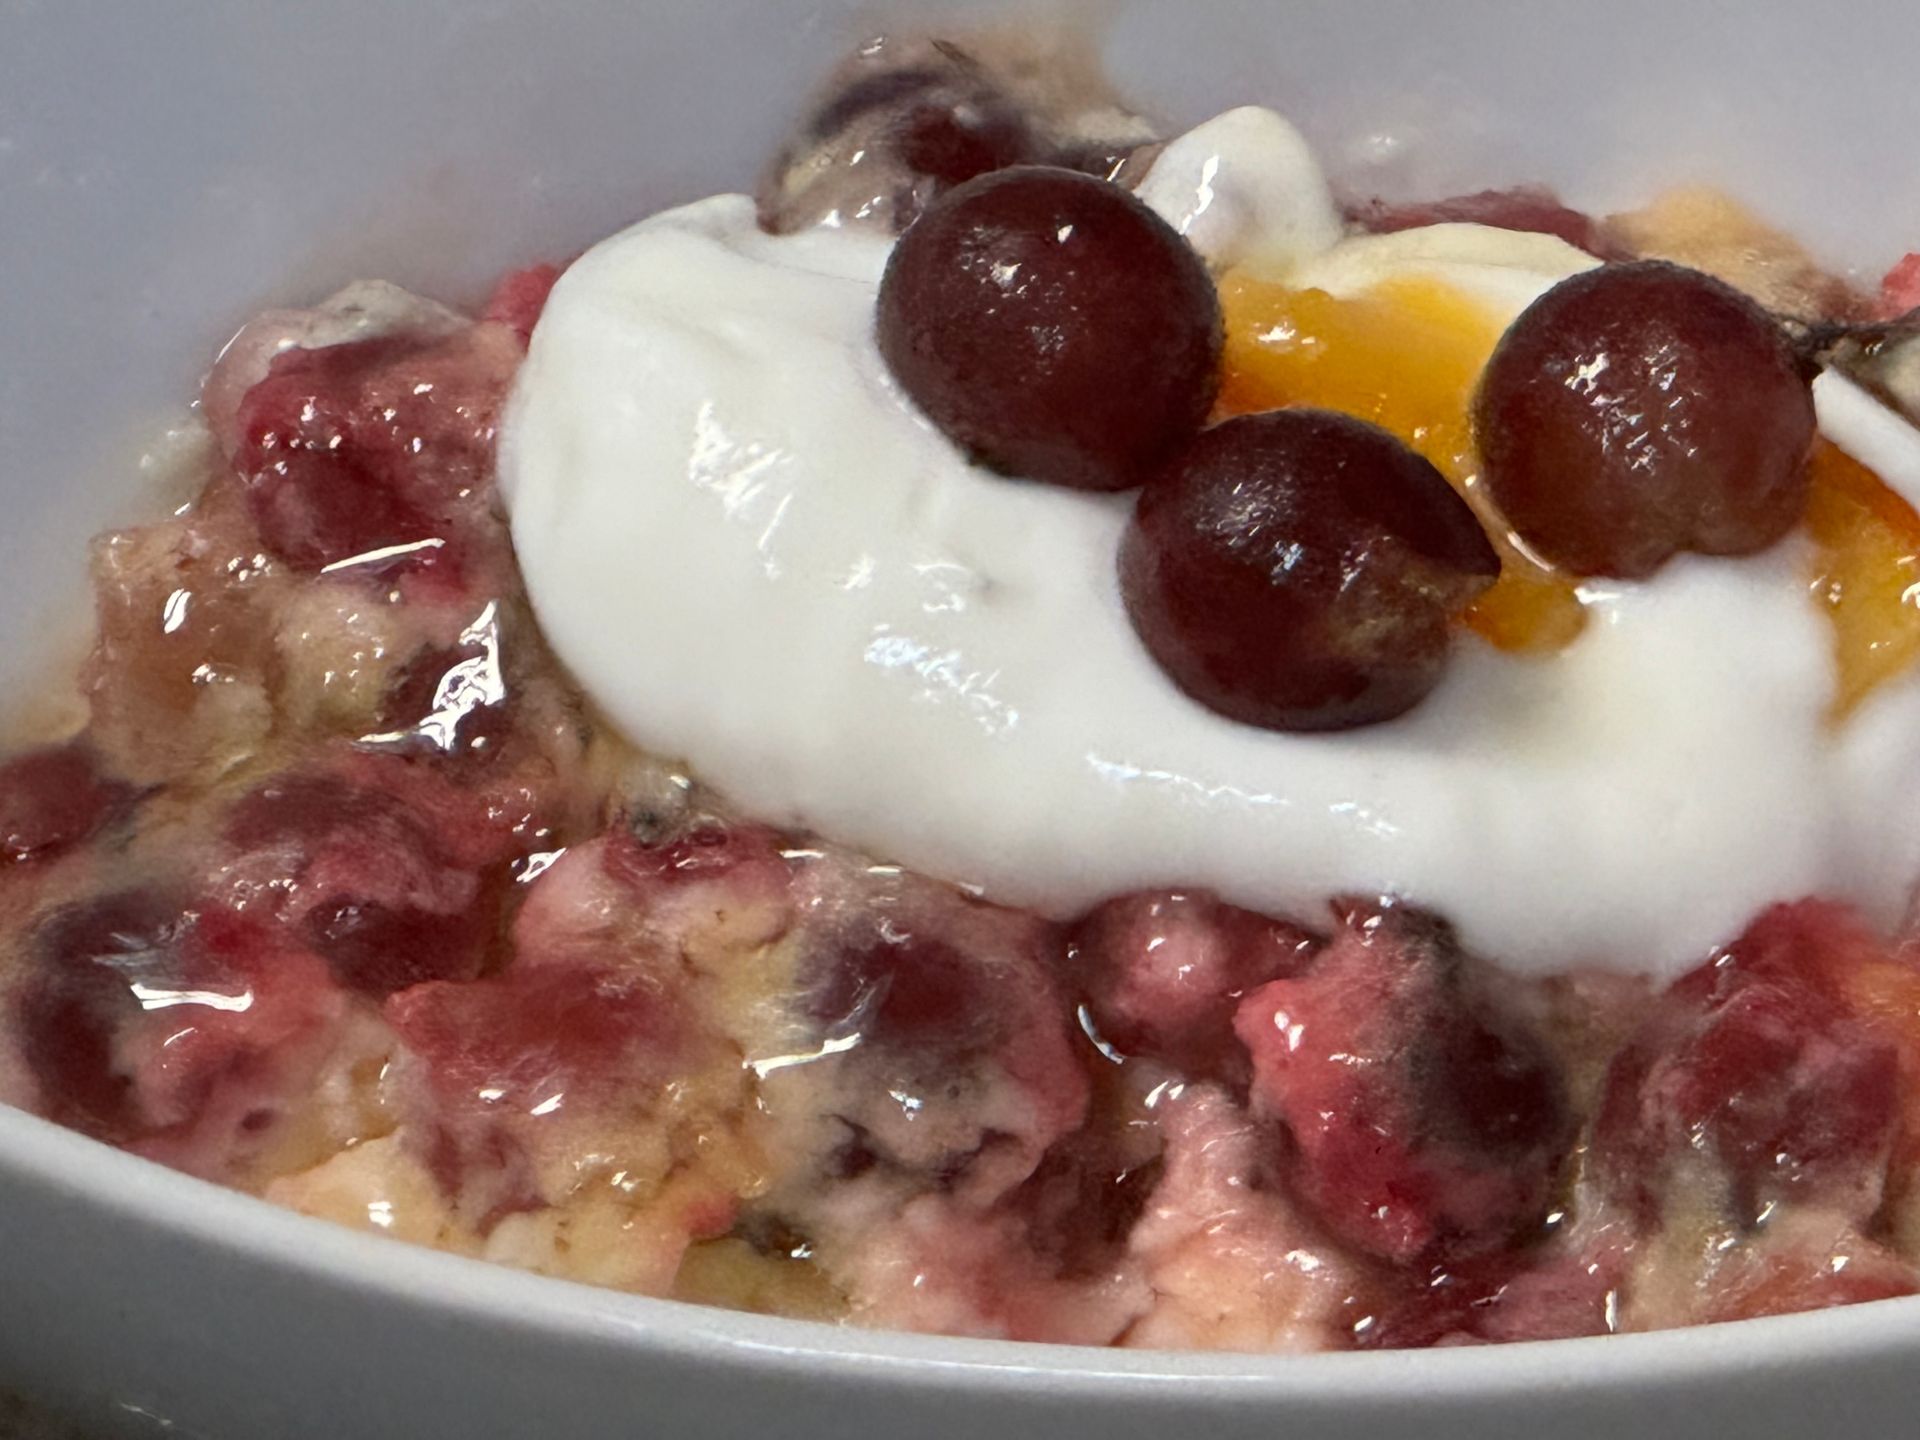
(732, 472)
(1121, 772)
(944, 676)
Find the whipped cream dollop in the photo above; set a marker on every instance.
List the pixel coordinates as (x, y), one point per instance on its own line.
(755, 555)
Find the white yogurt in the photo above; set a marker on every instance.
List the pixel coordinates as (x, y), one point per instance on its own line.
(1506, 270)
(1876, 435)
(754, 554)
(1244, 188)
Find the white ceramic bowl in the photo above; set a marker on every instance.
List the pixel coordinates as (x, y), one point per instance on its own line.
(166, 168)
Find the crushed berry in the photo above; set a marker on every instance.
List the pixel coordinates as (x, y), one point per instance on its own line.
(53, 798)
(1422, 1123)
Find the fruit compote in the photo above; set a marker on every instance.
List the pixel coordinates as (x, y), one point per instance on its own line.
(344, 895)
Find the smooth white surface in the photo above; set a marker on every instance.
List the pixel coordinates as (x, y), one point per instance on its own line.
(756, 556)
(167, 169)
(1244, 188)
(1879, 438)
(1506, 270)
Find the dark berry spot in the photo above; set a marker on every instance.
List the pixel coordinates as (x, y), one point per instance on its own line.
(85, 960)
(1478, 1087)
(318, 493)
(377, 949)
(510, 1041)
(51, 799)
(314, 508)
(307, 807)
(911, 993)
(1754, 1059)
(1083, 1201)
(372, 448)
(954, 143)
(854, 1156)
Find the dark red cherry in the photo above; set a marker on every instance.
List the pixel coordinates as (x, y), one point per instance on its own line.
(84, 961)
(1639, 410)
(910, 992)
(1298, 569)
(51, 799)
(531, 1032)
(314, 490)
(377, 949)
(1089, 1192)
(1053, 327)
(905, 121)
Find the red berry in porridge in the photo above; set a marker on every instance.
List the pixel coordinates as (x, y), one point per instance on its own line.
(1159, 974)
(85, 961)
(1422, 1123)
(51, 799)
(328, 442)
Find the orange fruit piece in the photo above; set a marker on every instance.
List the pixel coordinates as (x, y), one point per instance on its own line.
(1405, 355)
(1866, 573)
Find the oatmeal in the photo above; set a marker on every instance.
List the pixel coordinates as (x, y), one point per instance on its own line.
(1192, 801)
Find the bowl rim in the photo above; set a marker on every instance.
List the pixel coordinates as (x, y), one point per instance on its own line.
(182, 1209)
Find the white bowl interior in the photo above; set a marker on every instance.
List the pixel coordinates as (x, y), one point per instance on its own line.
(164, 170)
